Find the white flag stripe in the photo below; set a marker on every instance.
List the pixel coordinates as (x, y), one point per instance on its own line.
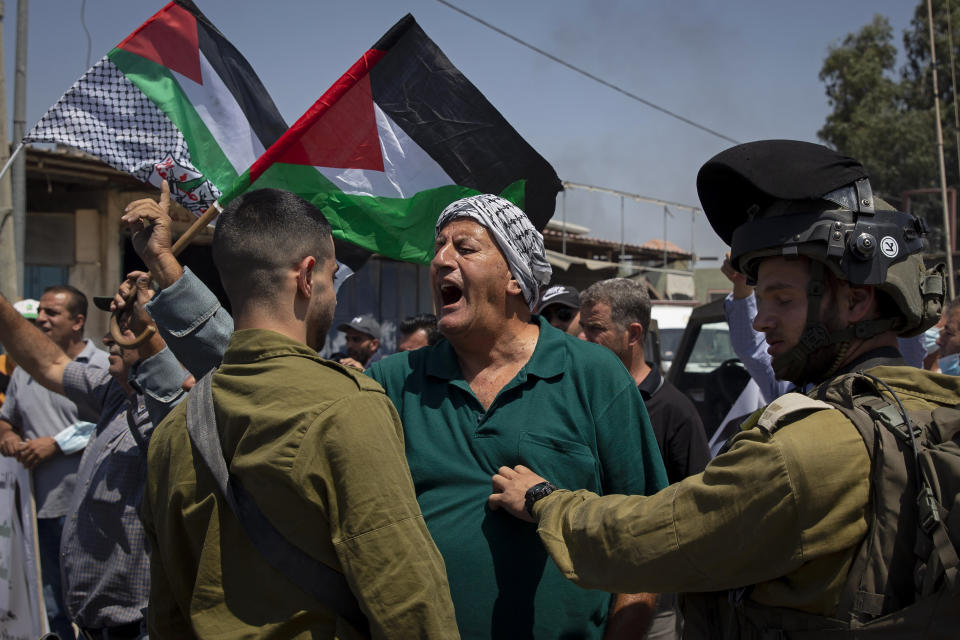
(408, 169)
(220, 111)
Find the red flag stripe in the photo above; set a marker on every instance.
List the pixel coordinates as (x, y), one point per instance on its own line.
(169, 38)
(290, 148)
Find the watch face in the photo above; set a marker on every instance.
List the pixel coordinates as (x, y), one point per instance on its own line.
(536, 492)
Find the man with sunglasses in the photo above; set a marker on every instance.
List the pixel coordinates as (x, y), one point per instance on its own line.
(560, 306)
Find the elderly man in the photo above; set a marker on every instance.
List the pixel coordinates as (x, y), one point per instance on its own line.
(503, 383)
(816, 521)
(103, 554)
(506, 383)
(616, 315)
(41, 416)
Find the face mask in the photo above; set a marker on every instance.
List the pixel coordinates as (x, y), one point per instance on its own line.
(929, 340)
(950, 365)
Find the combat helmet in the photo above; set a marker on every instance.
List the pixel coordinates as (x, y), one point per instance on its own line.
(790, 198)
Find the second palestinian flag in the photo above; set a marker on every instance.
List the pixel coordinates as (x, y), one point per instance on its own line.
(399, 136)
(174, 101)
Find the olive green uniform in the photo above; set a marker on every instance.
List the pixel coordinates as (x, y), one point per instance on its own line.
(784, 511)
(319, 448)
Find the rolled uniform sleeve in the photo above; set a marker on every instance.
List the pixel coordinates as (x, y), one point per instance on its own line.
(193, 323)
(757, 513)
(390, 561)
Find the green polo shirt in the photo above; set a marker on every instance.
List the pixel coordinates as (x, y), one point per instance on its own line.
(571, 415)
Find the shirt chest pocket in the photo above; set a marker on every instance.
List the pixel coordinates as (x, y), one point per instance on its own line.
(567, 464)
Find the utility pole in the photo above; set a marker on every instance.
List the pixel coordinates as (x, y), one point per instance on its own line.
(8, 254)
(947, 231)
(19, 169)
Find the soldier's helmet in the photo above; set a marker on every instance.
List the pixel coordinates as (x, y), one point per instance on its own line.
(790, 198)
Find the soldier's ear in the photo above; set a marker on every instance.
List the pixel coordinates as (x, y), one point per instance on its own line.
(862, 301)
(305, 276)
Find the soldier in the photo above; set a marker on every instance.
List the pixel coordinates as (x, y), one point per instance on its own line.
(798, 529)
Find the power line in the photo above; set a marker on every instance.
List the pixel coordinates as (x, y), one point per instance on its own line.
(582, 72)
(83, 23)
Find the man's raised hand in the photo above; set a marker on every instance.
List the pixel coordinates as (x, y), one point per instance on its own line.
(149, 223)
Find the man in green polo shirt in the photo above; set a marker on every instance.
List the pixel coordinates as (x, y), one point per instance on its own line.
(505, 385)
(502, 386)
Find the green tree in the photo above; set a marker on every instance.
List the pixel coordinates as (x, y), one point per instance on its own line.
(876, 117)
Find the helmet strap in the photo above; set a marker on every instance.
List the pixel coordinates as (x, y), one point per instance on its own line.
(792, 364)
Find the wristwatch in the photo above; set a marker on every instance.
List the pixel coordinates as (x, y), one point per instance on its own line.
(534, 493)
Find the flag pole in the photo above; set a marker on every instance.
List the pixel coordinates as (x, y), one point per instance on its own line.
(13, 156)
(947, 231)
(199, 224)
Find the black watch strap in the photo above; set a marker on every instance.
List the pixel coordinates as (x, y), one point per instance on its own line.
(534, 493)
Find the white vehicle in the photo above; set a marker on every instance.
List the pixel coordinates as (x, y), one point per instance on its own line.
(672, 318)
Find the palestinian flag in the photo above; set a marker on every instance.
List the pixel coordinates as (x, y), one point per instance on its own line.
(398, 137)
(174, 101)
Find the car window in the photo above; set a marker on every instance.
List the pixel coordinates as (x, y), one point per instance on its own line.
(711, 348)
(669, 341)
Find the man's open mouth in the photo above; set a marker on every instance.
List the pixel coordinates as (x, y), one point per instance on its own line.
(450, 293)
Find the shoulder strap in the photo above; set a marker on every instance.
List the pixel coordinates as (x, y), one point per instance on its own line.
(314, 577)
(786, 405)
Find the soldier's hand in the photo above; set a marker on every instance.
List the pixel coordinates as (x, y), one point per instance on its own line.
(10, 444)
(33, 452)
(510, 490)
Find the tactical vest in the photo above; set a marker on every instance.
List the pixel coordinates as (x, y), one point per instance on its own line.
(903, 581)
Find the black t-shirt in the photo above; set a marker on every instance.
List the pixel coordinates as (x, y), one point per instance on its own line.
(676, 425)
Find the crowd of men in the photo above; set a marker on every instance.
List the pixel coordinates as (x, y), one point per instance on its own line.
(520, 467)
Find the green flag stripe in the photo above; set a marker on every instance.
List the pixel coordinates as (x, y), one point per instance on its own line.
(159, 84)
(398, 228)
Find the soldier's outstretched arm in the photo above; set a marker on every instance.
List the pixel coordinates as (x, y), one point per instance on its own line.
(31, 348)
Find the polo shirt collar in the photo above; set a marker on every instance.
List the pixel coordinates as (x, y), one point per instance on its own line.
(88, 350)
(548, 360)
(651, 384)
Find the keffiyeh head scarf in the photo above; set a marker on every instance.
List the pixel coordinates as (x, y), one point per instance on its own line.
(515, 235)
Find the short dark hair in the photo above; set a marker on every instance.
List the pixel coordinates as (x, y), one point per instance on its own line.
(425, 321)
(76, 299)
(259, 234)
(628, 299)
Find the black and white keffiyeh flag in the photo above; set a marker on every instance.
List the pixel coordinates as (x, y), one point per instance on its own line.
(518, 239)
(174, 102)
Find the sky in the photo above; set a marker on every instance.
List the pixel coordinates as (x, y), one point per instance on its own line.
(747, 69)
